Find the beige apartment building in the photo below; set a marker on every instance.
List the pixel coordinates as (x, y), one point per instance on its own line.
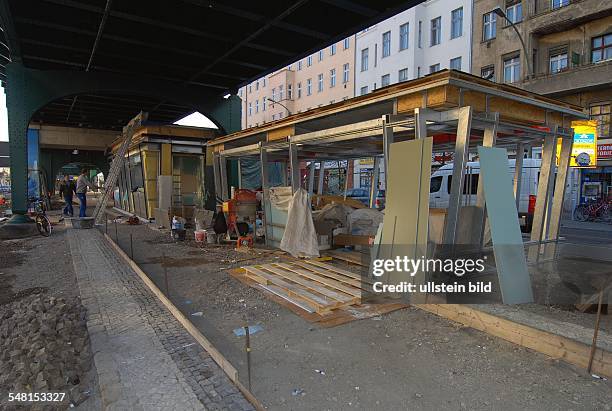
(317, 80)
(568, 56)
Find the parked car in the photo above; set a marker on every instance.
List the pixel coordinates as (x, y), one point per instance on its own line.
(359, 194)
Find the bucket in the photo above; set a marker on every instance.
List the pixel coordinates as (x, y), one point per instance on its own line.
(211, 236)
(200, 235)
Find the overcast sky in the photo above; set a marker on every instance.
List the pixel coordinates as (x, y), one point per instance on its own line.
(194, 120)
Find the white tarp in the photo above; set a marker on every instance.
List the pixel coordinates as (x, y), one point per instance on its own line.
(364, 221)
(300, 237)
(280, 197)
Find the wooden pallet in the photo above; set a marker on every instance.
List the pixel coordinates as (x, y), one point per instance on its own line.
(313, 286)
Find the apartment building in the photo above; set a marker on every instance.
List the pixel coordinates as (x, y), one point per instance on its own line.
(424, 39)
(567, 54)
(317, 80)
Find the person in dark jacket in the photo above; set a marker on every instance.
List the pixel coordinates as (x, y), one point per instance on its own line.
(67, 189)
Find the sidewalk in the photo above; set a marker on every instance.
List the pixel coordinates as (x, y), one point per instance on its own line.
(144, 357)
(586, 225)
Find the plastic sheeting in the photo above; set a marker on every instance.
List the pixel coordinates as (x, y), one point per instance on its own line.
(364, 221)
(250, 173)
(300, 238)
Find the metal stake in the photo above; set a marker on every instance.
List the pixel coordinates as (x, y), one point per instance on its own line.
(594, 345)
(248, 353)
(116, 233)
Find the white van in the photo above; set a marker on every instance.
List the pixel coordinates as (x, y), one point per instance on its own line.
(440, 185)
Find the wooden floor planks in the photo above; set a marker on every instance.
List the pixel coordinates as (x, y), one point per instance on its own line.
(311, 285)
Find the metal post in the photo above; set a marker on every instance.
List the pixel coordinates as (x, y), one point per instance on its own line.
(239, 173)
(321, 178)
(420, 119)
(247, 334)
(488, 140)
(263, 159)
(387, 141)
(346, 179)
(538, 230)
(311, 177)
(559, 194)
(116, 233)
(294, 163)
(518, 173)
(217, 177)
(464, 126)
(223, 175)
(374, 182)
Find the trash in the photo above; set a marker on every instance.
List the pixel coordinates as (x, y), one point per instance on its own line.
(198, 314)
(357, 388)
(599, 377)
(377, 318)
(187, 301)
(320, 372)
(298, 391)
(239, 332)
(241, 300)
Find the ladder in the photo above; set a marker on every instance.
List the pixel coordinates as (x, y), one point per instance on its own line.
(117, 164)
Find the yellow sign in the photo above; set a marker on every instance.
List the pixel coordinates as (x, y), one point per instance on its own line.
(584, 148)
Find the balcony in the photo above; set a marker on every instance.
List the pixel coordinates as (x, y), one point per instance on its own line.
(572, 80)
(564, 18)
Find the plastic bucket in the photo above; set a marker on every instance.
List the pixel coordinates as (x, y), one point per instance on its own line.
(211, 236)
(200, 235)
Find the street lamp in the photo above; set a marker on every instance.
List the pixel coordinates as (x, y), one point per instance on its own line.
(280, 104)
(502, 14)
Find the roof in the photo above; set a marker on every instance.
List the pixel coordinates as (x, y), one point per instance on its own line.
(169, 132)
(213, 46)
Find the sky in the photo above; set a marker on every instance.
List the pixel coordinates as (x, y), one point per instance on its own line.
(195, 119)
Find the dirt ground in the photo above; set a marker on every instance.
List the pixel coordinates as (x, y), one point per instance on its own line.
(42, 265)
(408, 359)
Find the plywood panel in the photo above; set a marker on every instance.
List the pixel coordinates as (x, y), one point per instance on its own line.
(280, 133)
(166, 159)
(409, 102)
(512, 110)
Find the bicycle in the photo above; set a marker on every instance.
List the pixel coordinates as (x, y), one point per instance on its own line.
(40, 217)
(595, 210)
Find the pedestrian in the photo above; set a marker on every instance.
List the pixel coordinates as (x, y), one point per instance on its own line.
(66, 189)
(81, 191)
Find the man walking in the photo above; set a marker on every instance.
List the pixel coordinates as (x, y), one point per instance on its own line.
(81, 191)
(67, 188)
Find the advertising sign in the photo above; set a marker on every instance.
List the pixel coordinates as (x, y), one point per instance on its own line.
(584, 149)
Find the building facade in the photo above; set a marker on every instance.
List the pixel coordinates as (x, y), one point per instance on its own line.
(432, 36)
(567, 54)
(321, 78)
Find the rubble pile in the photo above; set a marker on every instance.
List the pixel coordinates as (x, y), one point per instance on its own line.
(44, 346)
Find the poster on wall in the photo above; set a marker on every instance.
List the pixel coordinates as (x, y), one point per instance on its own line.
(584, 149)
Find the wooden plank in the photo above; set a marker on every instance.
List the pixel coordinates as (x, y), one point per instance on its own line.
(304, 305)
(553, 345)
(353, 257)
(322, 303)
(349, 239)
(342, 278)
(311, 285)
(215, 354)
(329, 282)
(334, 269)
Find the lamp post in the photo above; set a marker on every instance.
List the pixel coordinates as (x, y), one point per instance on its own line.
(280, 104)
(501, 13)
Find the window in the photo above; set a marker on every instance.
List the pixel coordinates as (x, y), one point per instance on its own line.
(299, 90)
(559, 3)
(347, 43)
(257, 85)
(309, 61)
(250, 89)
(345, 73)
(332, 78)
(601, 48)
(514, 12)
(434, 67)
(488, 73)
(402, 75)
(512, 69)
(364, 59)
(489, 26)
(299, 65)
(281, 94)
(332, 49)
(434, 184)
(250, 109)
(274, 94)
(289, 91)
(385, 80)
(601, 113)
(403, 39)
(455, 63)
(386, 43)
(436, 31)
(420, 37)
(257, 106)
(263, 104)
(309, 87)
(418, 71)
(320, 83)
(457, 23)
(364, 90)
(321, 55)
(558, 62)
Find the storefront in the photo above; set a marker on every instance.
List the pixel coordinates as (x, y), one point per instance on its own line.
(596, 183)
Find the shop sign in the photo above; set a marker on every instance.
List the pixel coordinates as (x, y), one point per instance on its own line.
(584, 149)
(604, 151)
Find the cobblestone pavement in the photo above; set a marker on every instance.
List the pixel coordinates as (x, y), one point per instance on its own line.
(145, 359)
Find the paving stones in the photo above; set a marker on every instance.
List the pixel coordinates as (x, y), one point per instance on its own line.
(44, 345)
